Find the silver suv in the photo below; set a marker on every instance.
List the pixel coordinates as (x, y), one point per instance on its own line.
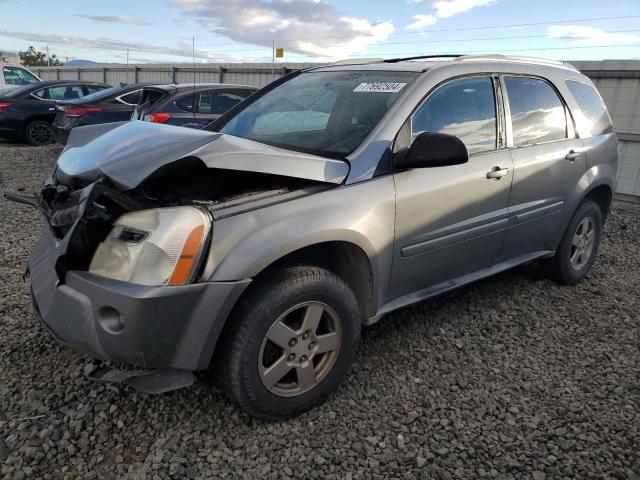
(259, 248)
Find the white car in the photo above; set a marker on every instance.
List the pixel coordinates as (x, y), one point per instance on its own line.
(14, 76)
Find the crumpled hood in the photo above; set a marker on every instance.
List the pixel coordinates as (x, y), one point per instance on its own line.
(129, 152)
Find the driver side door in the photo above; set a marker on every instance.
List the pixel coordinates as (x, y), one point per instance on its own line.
(451, 220)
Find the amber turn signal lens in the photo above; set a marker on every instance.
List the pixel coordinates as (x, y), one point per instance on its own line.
(188, 257)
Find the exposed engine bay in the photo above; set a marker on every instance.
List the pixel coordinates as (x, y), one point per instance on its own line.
(110, 170)
(88, 212)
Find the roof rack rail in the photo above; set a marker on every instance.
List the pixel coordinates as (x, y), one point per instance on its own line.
(357, 61)
(421, 57)
(515, 58)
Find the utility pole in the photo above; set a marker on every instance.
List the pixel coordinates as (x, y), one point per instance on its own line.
(48, 57)
(273, 59)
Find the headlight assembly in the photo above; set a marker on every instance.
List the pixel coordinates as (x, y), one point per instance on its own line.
(154, 247)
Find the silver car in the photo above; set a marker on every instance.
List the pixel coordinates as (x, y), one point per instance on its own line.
(258, 248)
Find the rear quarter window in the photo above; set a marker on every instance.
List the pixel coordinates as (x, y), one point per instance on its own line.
(593, 119)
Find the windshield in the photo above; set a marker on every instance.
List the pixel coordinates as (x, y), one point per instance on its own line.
(18, 76)
(325, 113)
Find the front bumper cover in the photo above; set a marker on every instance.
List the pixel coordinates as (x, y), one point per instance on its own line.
(164, 328)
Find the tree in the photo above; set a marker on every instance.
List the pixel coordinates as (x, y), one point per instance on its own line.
(34, 58)
(2, 58)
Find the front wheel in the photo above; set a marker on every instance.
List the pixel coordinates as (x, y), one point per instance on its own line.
(579, 245)
(293, 339)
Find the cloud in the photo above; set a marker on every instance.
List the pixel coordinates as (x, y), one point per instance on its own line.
(450, 8)
(183, 50)
(421, 21)
(589, 35)
(443, 9)
(302, 26)
(114, 19)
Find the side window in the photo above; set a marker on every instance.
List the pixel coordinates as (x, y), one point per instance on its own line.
(132, 98)
(594, 119)
(185, 103)
(223, 101)
(465, 108)
(65, 92)
(204, 103)
(95, 88)
(537, 113)
(42, 93)
(18, 76)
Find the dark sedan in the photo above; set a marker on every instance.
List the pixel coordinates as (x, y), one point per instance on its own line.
(189, 105)
(27, 113)
(114, 104)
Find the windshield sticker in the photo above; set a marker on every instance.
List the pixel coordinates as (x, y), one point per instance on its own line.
(379, 87)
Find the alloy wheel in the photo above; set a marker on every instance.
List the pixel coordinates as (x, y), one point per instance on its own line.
(299, 349)
(41, 134)
(583, 243)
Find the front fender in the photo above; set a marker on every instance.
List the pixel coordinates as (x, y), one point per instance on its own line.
(362, 214)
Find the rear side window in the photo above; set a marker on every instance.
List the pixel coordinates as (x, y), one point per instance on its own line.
(223, 101)
(595, 118)
(465, 108)
(204, 103)
(186, 103)
(95, 88)
(60, 92)
(537, 113)
(132, 98)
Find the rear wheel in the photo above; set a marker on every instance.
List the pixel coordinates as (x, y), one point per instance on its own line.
(39, 133)
(293, 339)
(578, 248)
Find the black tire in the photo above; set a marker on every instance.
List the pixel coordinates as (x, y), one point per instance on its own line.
(39, 133)
(258, 311)
(559, 268)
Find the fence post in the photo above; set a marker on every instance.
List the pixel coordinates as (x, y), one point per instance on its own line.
(135, 74)
(104, 74)
(173, 73)
(221, 75)
(78, 73)
(57, 74)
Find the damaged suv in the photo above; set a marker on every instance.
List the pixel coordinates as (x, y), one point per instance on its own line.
(257, 249)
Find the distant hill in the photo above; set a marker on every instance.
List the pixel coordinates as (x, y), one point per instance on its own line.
(80, 63)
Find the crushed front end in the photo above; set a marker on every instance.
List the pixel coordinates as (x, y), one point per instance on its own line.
(153, 337)
(119, 272)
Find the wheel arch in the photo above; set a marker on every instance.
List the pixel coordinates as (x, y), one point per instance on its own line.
(345, 259)
(602, 194)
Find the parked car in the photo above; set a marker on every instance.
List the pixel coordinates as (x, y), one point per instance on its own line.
(189, 105)
(14, 76)
(114, 104)
(27, 113)
(258, 247)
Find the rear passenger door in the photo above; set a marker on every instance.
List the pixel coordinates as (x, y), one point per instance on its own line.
(548, 161)
(450, 221)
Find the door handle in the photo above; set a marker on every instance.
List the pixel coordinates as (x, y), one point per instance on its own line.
(497, 173)
(573, 155)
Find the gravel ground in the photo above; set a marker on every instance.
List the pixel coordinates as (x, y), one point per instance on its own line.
(513, 377)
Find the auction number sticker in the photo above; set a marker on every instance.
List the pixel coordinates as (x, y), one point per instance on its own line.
(379, 87)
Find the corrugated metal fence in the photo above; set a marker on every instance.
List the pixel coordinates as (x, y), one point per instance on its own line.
(254, 74)
(617, 80)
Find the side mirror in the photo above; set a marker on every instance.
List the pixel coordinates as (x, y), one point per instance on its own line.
(434, 150)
